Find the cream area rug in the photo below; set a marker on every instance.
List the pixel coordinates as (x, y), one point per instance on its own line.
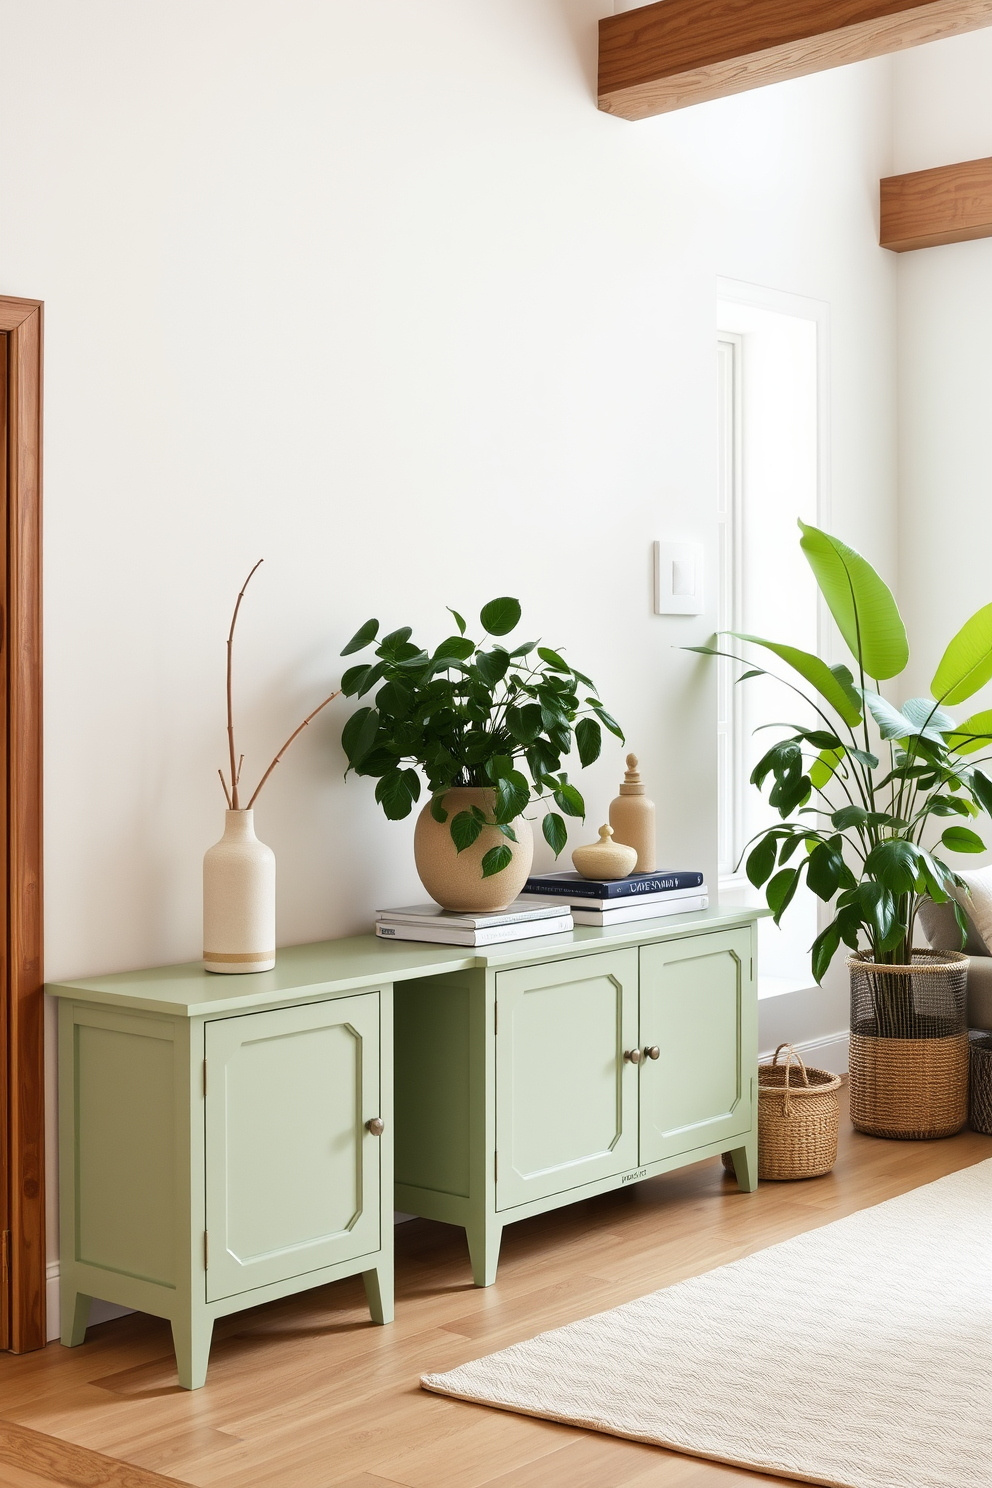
(858, 1355)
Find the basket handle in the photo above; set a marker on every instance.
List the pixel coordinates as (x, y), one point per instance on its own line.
(792, 1055)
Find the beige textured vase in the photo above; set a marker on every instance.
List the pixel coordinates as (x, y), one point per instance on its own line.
(454, 879)
(239, 900)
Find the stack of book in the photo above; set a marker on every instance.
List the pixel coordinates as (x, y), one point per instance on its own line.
(525, 918)
(640, 896)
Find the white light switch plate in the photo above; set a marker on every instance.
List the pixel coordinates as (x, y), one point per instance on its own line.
(678, 578)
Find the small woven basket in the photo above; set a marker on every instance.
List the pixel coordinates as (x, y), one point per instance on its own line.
(797, 1123)
(909, 1046)
(980, 1102)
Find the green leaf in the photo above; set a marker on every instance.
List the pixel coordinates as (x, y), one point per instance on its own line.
(974, 734)
(523, 650)
(827, 870)
(569, 799)
(394, 699)
(499, 617)
(581, 677)
(761, 860)
(507, 830)
(966, 665)
(933, 721)
(491, 666)
(849, 816)
(359, 733)
(867, 615)
(497, 858)
(458, 620)
(947, 806)
(354, 677)
(437, 809)
(371, 677)
(823, 950)
(813, 670)
(981, 789)
(394, 641)
(605, 719)
(361, 638)
(465, 829)
(396, 793)
(824, 767)
(524, 723)
(891, 723)
(459, 648)
(589, 740)
(555, 832)
(962, 840)
(781, 891)
(553, 660)
(870, 761)
(512, 795)
(498, 766)
(894, 864)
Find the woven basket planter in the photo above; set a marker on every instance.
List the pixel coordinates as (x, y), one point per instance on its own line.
(909, 1046)
(980, 1102)
(798, 1118)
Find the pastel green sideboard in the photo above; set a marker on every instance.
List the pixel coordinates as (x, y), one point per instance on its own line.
(225, 1141)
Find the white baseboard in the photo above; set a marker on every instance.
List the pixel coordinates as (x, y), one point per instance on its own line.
(829, 1053)
(100, 1312)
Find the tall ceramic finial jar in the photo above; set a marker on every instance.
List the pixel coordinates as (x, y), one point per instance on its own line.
(632, 818)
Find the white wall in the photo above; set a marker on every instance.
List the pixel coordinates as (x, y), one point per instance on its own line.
(942, 115)
(374, 291)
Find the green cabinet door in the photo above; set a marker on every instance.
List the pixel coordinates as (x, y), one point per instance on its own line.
(292, 1171)
(566, 1098)
(698, 1008)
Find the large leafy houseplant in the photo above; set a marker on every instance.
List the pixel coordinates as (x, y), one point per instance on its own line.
(473, 713)
(869, 796)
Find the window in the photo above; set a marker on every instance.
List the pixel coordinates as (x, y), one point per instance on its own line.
(770, 473)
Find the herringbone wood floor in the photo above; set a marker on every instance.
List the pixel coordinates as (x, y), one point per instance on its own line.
(306, 1393)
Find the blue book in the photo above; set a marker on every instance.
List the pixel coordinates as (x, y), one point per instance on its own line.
(574, 886)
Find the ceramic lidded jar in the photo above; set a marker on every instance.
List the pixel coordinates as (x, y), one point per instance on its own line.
(454, 879)
(632, 818)
(604, 859)
(239, 900)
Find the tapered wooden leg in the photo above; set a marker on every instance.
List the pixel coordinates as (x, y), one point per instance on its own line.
(75, 1316)
(484, 1236)
(379, 1291)
(191, 1339)
(745, 1160)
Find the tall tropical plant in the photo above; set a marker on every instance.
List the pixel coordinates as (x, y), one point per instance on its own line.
(869, 797)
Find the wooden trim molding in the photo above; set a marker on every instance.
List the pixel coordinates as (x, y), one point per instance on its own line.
(22, 1008)
(679, 52)
(950, 204)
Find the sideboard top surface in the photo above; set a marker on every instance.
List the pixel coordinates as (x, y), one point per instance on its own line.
(336, 967)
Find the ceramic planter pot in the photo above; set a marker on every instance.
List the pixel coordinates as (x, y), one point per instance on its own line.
(454, 879)
(239, 900)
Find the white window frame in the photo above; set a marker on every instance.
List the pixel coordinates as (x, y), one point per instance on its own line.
(730, 745)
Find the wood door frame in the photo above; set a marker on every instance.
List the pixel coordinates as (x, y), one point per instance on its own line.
(22, 1023)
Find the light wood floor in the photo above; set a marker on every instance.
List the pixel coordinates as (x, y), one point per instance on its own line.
(306, 1393)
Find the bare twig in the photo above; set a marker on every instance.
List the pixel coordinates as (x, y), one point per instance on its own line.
(288, 742)
(227, 793)
(235, 771)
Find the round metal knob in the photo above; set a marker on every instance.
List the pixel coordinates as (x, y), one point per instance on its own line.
(653, 1052)
(376, 1126)
(632, 1056)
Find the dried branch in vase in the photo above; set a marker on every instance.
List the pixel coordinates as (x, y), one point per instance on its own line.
(232, 792)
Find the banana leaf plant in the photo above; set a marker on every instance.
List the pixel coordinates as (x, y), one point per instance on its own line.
(869, 797)
(469, 713)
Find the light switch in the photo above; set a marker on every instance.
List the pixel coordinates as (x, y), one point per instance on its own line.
(678, 578)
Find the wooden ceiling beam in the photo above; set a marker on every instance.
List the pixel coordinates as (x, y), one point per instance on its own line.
(679, 52)
(951, 204)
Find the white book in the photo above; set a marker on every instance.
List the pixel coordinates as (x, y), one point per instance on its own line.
(626, 911)
(524, 907)
(461, 935)
(628, 901)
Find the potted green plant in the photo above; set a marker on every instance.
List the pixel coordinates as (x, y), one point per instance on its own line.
(867, 797)
(470, 715)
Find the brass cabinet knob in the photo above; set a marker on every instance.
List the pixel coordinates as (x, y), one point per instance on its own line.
(376, 1126)
(653, 1052)
(632, 1056)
